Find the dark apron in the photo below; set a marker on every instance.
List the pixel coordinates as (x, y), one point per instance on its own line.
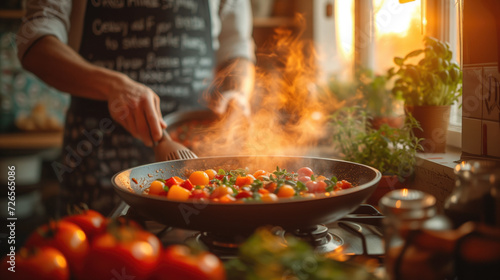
(169, 49)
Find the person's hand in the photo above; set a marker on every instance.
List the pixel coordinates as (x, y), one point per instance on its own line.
(230, 102)
(137, 108)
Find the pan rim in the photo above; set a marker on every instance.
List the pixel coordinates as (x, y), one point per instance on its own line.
(371, 183)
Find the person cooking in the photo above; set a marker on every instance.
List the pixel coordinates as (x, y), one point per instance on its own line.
(126, 64)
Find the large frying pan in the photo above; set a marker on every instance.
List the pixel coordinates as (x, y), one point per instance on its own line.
(246, 217)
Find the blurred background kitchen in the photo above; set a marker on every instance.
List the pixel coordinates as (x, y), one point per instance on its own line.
(347, 37)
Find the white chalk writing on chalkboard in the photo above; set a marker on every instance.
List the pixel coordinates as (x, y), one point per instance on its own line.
(143, 3)
(189, 5)
(189, 23)
(150, 77)
(170, 40)
(171, 90)
(100, 27)
(163, 27)
(135, 42)
(193, 43)
(115, 4)
(145, 43)
(128, 63)
(154, 61)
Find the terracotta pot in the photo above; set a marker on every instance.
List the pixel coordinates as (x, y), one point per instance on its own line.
(395, 122)
(386, 184)
(434, 122)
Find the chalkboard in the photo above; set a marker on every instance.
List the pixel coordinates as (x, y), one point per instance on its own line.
(164, 44)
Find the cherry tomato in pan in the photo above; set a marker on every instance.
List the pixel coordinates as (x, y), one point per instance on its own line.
(156, 188)
(244, 180)
(199, 178)
(200, 194)
(211, 173)
(305, 171)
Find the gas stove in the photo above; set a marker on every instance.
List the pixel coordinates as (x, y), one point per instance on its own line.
(357, 234)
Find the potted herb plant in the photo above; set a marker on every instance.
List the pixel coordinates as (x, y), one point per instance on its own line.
(376, 98)
(428, 87)
(390, 150)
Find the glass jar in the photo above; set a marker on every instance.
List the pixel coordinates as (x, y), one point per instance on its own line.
(406, 213)
(476, 196)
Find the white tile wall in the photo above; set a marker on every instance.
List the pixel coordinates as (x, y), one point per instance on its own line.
(491, 131)
(471, 136)
(491, 93)
(472, 92)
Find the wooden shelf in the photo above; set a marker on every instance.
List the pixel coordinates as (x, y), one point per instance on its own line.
(12, 14)
(273, 22)
(31, 140)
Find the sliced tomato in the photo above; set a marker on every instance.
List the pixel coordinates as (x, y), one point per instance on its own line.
(187, 185)
(344, 184)
(173, 181)
(179, 262)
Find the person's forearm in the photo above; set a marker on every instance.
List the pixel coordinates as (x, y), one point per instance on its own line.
(133, 105)
(61, 67)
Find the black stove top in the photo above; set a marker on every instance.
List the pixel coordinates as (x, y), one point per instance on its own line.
(357, 234)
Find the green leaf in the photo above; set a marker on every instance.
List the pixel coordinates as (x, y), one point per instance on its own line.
(166, 188)
(399, 61)
(301, 186)
(413, 53)
(221, 172)
(443, 75)
(161, 180)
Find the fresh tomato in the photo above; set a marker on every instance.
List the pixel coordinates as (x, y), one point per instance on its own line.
(260, 173)
(90, 221)
(244, 180)
(305, 171)
(221, 191)
(156, 187)
(178, 193)
(304, 179)
(45, 263)
(211, 173)
(286, 191)
(199, 178)
(179, 262)
(123, 252)
(343, 184)
(270, 187)
(244, 194)
(269, 197)
(227, 198)
(65, 236)
(199, 194)
(316, 186)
